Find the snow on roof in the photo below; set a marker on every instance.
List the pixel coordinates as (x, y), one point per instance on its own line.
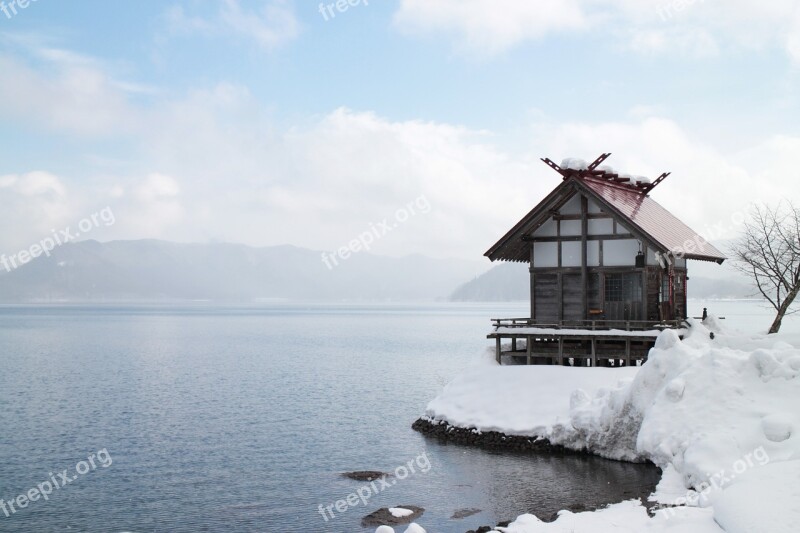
(574, 163)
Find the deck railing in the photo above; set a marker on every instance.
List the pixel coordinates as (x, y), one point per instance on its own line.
(592, 325)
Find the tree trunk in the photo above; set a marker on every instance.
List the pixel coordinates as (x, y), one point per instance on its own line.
(776, 324)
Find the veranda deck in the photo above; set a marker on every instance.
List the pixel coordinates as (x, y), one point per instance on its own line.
(578, 343)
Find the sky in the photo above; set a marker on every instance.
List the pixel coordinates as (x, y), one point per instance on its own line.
(271, 122)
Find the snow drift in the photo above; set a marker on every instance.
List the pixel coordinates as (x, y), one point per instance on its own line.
(718, 411)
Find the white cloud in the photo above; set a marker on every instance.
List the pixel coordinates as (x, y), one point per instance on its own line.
(212, 165)
(695, 28)
(320, 185)
(793, 40)
(69, 94)
(33, 204)
(179, 21)
(271, 26)
(707, 185)
(490, 26)
(158, 186)
(154, 210)
(686, 41)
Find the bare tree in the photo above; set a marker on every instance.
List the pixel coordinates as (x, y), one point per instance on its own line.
(769, 253)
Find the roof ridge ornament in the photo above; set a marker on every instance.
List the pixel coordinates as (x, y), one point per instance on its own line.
(595, 171)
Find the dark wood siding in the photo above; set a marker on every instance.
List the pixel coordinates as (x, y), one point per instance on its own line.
(595, 294)
(573, 296)
(546, 297)
(653, 286)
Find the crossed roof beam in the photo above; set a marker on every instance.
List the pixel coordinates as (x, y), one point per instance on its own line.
(593, 172)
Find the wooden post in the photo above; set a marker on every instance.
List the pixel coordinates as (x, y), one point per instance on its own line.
(560, 350)
(627, 352)
(513, 344)
(594, 353)
(584, 256)
(498, 348)
(645, 311)
(533, 284)
(529, 349)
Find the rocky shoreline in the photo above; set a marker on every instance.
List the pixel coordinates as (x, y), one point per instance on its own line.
(490, 440)
(493, 440)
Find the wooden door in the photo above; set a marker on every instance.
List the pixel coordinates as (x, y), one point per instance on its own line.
(623, 296)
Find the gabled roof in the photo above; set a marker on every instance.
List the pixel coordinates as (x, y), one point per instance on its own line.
(629, 204)
(653, 220)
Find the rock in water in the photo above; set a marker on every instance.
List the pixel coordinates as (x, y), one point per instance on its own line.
(464, 513)
(384, 517)
(365, 475)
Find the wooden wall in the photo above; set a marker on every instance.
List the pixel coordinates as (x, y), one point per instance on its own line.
(572, 254)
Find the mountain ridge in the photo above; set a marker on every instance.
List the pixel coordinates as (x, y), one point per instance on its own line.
(152, 269)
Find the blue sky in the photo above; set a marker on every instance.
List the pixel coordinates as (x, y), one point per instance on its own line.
(261, 122)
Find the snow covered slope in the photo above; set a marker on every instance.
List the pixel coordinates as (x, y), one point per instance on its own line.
(518, 400)
(720, 415)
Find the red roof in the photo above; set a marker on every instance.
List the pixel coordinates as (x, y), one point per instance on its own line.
(653, 220)
(629, 203)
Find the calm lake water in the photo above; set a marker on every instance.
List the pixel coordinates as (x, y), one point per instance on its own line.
(243, 418)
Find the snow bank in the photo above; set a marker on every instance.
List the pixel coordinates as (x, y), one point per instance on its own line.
(700, 405)
(629, 517)
(519, 400)
(765, 499)
(721, 416)
(412, 528)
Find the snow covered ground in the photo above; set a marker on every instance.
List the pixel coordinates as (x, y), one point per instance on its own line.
(720, 416)
(519, 400)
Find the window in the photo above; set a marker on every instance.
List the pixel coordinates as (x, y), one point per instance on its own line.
(623, 287)
(614, 287)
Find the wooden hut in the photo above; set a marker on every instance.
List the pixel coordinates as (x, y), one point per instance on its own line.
(603, 255)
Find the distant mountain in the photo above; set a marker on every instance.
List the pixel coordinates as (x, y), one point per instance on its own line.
(506, 282)
(151, 270)
(719, 288)
(510, 282)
